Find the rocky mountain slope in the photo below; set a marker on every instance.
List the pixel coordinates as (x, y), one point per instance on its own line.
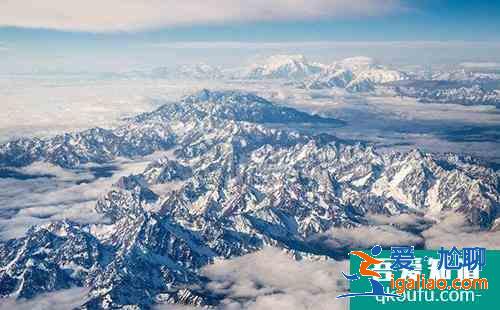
(240, 184)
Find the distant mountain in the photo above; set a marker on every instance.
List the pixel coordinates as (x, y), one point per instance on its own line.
(466, 75)
(188, 72)
(283, 67)
(364, 75)
(356, 74)
(330, 78)
(457, 92)
(454, 75)
(240, 185)
(380, 76)
(356, 64)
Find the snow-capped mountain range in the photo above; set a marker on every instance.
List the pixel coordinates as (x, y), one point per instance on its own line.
(241, 183)
(199, 71)
(360, 75)
(458, 92)
(356, 74)
(351, 73)
(295, 67)
(364, 75)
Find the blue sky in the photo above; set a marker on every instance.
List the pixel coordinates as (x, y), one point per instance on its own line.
(57, 29)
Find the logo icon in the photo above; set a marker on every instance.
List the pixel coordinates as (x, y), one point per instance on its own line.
(368, 261)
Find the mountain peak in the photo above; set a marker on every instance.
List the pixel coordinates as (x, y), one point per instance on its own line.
(220, 97)
(357, 63)
(282, 67)
(284, 59)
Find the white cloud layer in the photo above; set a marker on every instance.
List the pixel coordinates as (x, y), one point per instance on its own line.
(65, 299)
(119, 15)
(365, 237)
(42, 200)
(270, 279)
(454, 230)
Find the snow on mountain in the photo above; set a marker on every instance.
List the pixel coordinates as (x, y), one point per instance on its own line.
(367, 80)
(466, 76)
(462, 75)
(240, 185)
(146, 136)
(234, 105)
(199, 71)
(361, 85)
(380, 76)
(358, 63)
(455, 75)
(356, 74)
(330, 78)
(94, 145)
(457, 92)
(364, 75)
(283, 67)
